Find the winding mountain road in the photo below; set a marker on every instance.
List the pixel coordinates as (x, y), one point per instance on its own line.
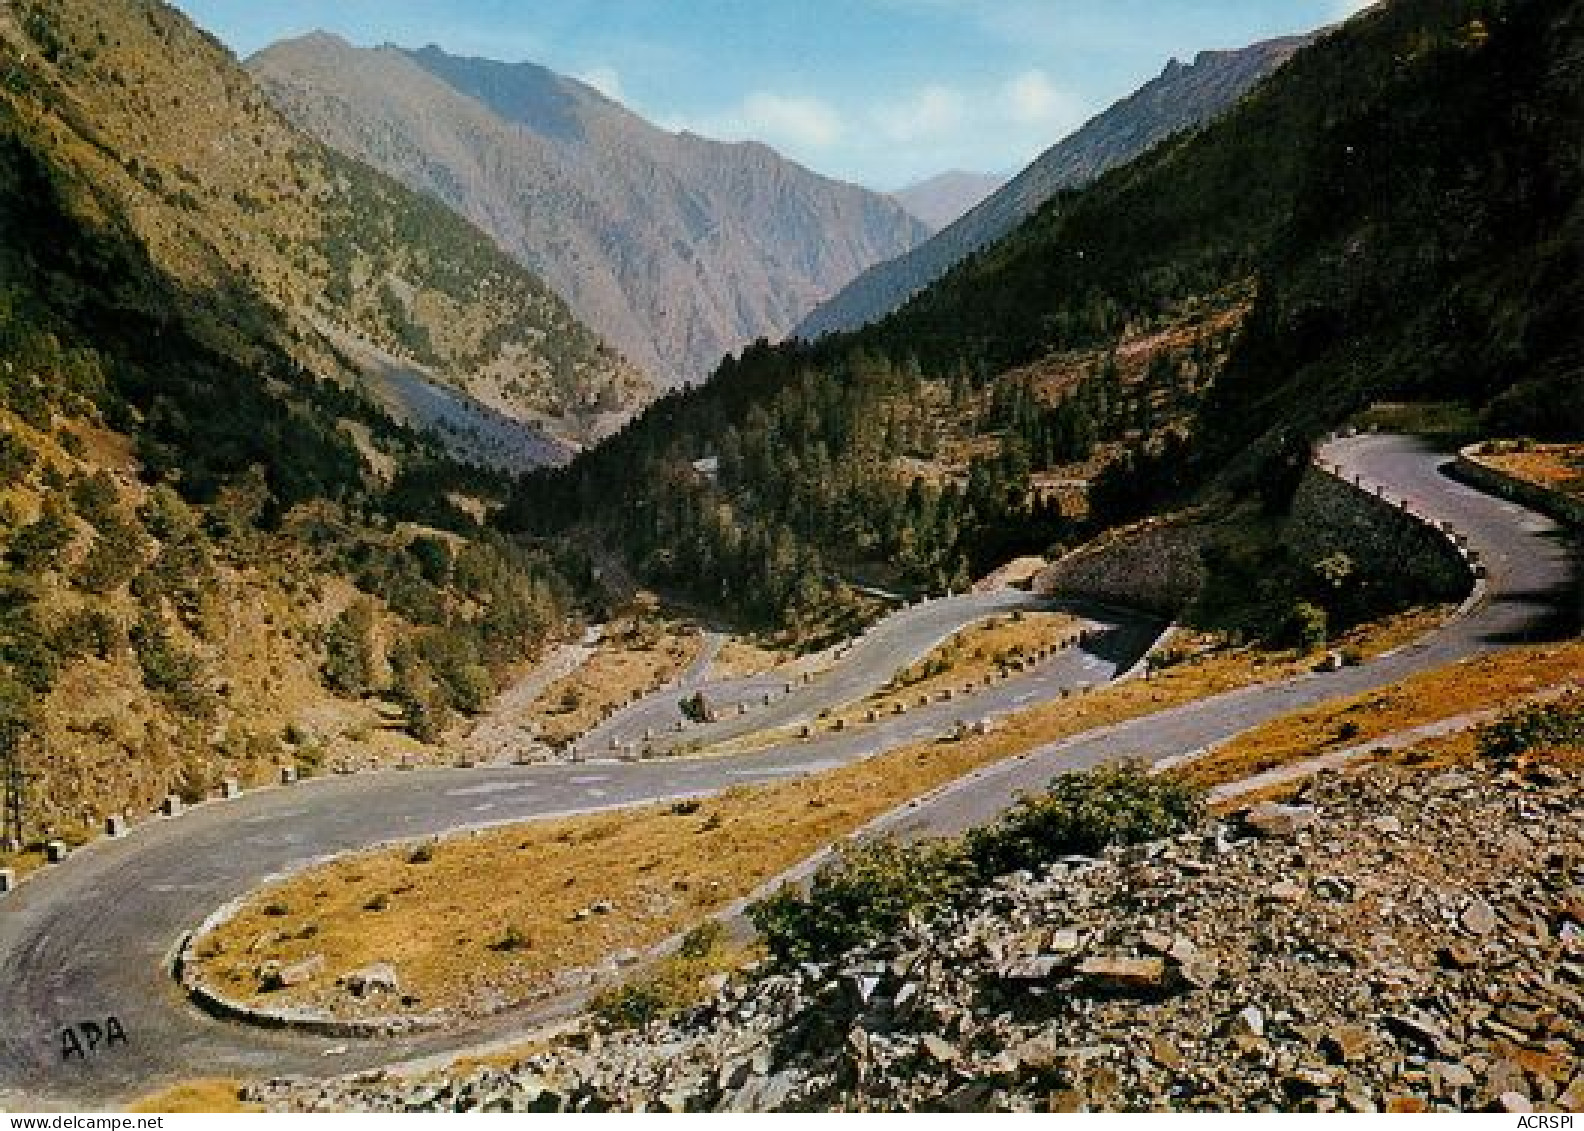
(91, 938)
(1529, 564)
(656, 722)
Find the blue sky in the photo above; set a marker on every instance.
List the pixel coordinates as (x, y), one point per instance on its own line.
(882, 92)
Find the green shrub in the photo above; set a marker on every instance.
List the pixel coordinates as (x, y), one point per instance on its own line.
(95, 497)
(89, 632)
(869, 891)
(1533, 728)
(170, 669)
(694, 707)
(16, 459)
(703, 940)
(1307, 626)
(39, 545)
(349, 650)
(115, 557)
(632, 1005)
(872, 888)
(1085, 813)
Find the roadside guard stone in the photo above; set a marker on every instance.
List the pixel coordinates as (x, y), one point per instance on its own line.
(376, 978)
(1160, 976)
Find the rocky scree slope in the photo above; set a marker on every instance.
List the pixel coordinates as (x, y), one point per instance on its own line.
(1405, 940)
(676, 248)
(1180, 98)
(272, 235)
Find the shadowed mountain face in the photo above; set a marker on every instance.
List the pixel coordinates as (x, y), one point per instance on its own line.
(1182, 97)
(677, 249)
(330, 259)
(941, 199)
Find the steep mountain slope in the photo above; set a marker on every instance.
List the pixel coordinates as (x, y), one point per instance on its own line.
(940, 200)
(1402, 200)
(218, 555)
(1180, 98)
(677, 249)
(221, 188)
(1413, 230)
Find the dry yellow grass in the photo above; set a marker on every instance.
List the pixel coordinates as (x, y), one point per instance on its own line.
(1209, 670)
(1448, 752)
(634, 658)
(1559, 467)
(979, 650)
(739, 658)
(490, 918)
(109, 746)
(1487, 682)
(203, 1096)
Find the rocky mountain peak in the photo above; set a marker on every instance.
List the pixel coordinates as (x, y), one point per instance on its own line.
(678, 249)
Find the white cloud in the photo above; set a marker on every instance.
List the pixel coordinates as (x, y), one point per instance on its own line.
(1346, 8)
(606, 80)
(806, 121)
(901, 136)
(1031, 98)
(797, 122)
(930, 112)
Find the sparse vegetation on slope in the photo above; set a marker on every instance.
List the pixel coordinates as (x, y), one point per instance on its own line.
(1181, 98)
(676, 248)
(274, 238)
(217, 558)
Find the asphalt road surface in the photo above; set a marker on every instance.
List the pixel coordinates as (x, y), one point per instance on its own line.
(656, 723)
(91, 938)
(1530, 565)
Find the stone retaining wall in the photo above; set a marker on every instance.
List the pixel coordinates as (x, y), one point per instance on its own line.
(1156, 566)
(1386, 541)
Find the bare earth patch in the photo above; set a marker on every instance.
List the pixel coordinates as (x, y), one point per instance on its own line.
(740, 658)
(477, 922)
(206, 1097)
(989, 647)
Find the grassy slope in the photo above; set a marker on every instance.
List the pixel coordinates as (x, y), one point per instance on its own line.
(228, 197)
(149, 337)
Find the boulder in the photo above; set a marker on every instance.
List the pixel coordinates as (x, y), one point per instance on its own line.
(1479, 918)
(938, 1049)
(1347, 1044)
(1422, 1031)
(1114, 973)
(1065, 941)
(1272, 819)
(283, 976)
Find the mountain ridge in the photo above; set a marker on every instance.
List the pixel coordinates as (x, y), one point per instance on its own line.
(678, 249)
(944, 198)
(218, 549)
(1180, 97)
(1258, 311)
(226, 194)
